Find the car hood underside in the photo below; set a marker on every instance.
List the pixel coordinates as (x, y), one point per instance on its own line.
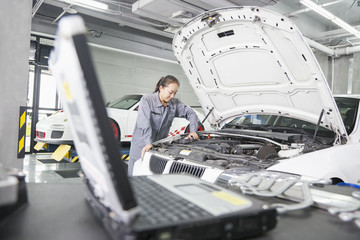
(244, 60)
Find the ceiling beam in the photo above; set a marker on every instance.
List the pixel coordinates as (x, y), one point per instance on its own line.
(36, 7)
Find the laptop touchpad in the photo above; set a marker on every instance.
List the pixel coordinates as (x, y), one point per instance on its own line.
(194, 189)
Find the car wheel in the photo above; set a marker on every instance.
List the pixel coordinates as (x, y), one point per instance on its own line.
(201, 128)
(116, 130)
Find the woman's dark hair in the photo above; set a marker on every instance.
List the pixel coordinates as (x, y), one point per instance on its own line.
(165, 81)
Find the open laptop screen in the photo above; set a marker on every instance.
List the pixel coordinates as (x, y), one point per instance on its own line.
(71, 64)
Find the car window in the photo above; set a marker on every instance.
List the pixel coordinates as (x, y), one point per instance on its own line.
(251, 119)
(283, 121)
(126, 102)
(348, 108)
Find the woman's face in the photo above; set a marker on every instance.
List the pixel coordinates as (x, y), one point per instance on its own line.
(168, 92)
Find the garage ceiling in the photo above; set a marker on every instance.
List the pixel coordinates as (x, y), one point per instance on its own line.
(153, 22)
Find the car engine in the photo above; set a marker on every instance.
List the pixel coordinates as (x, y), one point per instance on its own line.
(228, 149)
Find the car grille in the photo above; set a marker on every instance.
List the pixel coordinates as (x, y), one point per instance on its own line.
(57, 134)
(178, 167)
(157, 164)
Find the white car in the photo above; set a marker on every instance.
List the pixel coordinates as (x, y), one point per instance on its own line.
(122, 115)
(269, 98)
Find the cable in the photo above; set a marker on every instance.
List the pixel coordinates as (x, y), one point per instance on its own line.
(349, 185)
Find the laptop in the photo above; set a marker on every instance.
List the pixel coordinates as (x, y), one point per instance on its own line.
(143, 207)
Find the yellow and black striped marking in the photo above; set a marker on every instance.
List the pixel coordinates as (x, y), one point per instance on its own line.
(125, 157)
(22, 133)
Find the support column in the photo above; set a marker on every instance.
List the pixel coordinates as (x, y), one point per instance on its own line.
(15, 24)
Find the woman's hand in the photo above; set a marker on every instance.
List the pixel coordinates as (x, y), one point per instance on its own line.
(192, 135)
(145, 149)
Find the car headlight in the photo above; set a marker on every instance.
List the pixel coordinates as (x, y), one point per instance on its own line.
(232, 176)
(233, 173)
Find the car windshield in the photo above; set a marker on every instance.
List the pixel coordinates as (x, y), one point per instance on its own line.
(348, 108)
(126, 102)
(276, 123)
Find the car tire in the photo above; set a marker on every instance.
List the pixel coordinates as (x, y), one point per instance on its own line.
(201, 128)
(116, 130)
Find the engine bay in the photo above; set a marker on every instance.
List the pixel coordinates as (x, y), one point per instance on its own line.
(251, 150)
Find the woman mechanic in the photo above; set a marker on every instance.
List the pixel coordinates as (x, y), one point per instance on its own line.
(156, 113)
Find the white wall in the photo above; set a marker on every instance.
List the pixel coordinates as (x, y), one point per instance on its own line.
(347, 74)
(356, 74)
(15, 21)
(342, 73)
(122, 73)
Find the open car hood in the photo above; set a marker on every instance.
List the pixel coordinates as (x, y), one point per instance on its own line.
(243, 60)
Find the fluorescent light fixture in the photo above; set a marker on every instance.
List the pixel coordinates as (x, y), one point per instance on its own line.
(346, 26)
(325, 13)
(317, 8)
(89, 4)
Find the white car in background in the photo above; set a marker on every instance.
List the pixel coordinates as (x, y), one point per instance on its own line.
(269, 98)
(122, 116)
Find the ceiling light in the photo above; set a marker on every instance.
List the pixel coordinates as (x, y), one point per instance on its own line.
(89, 4)
(325, 13)
(346, 26)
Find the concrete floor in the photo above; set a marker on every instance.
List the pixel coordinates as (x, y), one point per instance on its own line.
(40, 168)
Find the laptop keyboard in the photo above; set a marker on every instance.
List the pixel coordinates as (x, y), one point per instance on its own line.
(159, 205)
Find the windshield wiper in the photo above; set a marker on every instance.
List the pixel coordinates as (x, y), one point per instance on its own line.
(229, 125)
(248, 126)
(257, 127)
(291, 129)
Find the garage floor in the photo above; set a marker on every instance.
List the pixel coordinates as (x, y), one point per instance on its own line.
(40, 168)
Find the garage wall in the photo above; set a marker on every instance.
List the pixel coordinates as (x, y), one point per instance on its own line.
(15, 20)
(122, 73)
(341, 75)
(356, 74)
(346, 71)
(347, 74)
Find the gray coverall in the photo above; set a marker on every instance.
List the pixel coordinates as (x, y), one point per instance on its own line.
(154, 121)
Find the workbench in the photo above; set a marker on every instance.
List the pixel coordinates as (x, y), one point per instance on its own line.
(60, 211)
